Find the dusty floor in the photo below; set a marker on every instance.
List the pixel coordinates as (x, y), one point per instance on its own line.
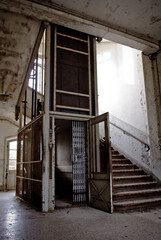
(19, 221)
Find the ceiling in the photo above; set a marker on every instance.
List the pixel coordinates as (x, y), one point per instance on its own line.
(138, 17)
(138, 20)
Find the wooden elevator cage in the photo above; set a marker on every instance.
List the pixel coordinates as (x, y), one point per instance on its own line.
(68, 106)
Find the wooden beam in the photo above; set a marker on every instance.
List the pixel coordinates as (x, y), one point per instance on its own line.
(73, 108)
(72, 93)
(99, 118)
(75, 38)
(72, 50)
(32, 59)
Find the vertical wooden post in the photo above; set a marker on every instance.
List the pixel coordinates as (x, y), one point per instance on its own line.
(45, 165)
(89, 76)
(55, 55)
(52, 164)
(109, 158)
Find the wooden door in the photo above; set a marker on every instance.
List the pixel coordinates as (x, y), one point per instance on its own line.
(99, 169)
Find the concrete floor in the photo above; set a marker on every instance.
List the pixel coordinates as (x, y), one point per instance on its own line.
(19, 221)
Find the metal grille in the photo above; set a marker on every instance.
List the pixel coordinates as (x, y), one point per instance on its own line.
(79, 161)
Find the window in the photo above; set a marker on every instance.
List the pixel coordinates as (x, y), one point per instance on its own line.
(12, 155)
(37, 76)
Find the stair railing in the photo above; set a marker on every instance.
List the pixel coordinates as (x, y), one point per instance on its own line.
(131, 135)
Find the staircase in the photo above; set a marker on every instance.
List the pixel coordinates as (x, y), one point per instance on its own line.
(132, 187)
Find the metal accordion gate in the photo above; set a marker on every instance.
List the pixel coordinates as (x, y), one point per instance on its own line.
(79, 161)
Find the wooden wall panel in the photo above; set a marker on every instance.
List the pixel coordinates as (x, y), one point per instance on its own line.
(29, 164)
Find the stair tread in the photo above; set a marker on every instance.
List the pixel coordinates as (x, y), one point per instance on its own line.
(123, 165)
(132, 177)
(137, 202)
(127, 170)
(138, 191)
(132, 187)
(134, 184)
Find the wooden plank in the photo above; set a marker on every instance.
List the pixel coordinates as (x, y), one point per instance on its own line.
(70, 116)
(29, 162)
(71, 50)
(95, 77)
(72, 93)
(55, 60)
(75, 38)
(98, 119)
(89, 76)
(73, 108)
(45, 164)
(30, 123)
(31, 179)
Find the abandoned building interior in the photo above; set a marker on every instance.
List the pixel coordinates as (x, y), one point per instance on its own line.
(80, 103)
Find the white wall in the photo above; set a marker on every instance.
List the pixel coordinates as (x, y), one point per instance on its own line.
(121, 92)
(7, 129)
(121, 84)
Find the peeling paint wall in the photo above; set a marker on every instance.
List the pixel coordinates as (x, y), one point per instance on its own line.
(152, 74)
(121, 92)
(17, 39)
(7, 130)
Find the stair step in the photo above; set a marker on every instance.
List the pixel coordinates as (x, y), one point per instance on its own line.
(127, 172)
(118, 156)
(137, 194)
(121, 161)
(135, 178)
(123, 166)
(115, 152)
(129, 186)
(134, 204)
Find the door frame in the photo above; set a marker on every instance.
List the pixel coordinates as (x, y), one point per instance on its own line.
(6, 164)
(99, 183)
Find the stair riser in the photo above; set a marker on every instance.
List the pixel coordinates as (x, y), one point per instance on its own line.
(132, 180)
(115, 156)
(138, 206)
(128, 173)
(124, 167)
(115, 152)
(126, 188)
(136, 196)
(121, 161)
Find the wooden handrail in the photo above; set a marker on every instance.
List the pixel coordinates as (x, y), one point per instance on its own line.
(129, 134)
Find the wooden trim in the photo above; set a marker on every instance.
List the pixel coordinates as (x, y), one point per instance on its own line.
(75, 38)
(31, 179)
(72, 93)
(55, 60)
(72, 50)
(33, 56)
(30, 123)
(72, 108)
(29, 162)
(95, 76)
(99, 119)
(70, 116)
(89, 76)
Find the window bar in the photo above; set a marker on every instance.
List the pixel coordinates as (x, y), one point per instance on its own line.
(25, 101)
(35, 93)
(33, 80)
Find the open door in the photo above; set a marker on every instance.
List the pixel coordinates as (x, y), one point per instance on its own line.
(11, 164)
(100, 164)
